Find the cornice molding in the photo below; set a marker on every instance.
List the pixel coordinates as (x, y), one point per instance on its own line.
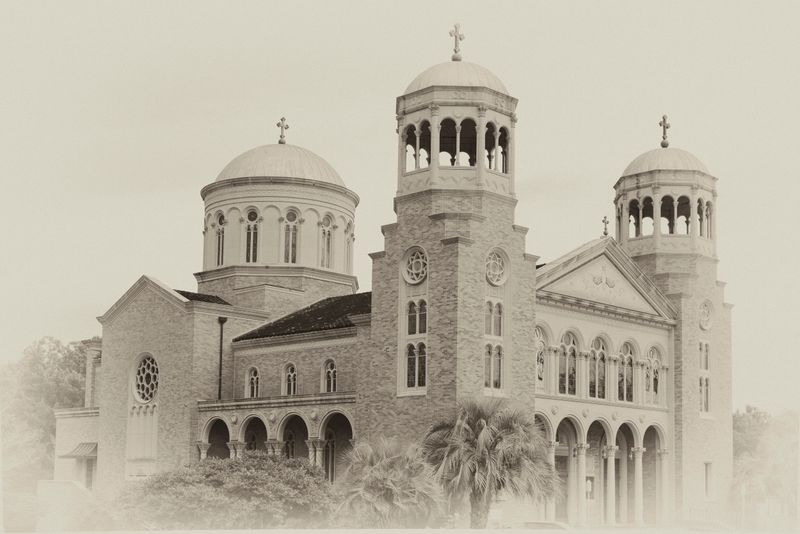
(272, 180)
(297, 339)
(281, 401)
(606, 310)
(63, 413)
(282, 270)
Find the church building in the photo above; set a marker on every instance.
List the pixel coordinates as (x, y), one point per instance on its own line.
(620, 348)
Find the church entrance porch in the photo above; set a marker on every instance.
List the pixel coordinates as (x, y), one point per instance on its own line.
(254, 435)
(336, 443)
(218, 438)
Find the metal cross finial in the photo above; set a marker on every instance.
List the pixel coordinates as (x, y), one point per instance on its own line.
(664, 127)
(605, 225)
(457, 36)
(283, 126)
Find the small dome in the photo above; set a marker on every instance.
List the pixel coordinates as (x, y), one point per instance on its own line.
(667, 159)
(457, 73)
(280, 161)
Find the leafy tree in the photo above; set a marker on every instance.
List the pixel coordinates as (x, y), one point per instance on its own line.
(257, 491)
(49, 375)
(487, 448)
(389, 485)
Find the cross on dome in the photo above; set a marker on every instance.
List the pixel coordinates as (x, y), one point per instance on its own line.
(664, 127)
(283, 125)
(457, 36)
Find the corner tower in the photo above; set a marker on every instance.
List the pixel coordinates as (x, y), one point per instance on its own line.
(666, 205)
(278, 230)
(453, 291)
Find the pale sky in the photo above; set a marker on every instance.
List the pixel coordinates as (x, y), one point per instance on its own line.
(115, 114)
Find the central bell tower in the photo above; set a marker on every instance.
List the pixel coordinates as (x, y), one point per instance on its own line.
(453, 289)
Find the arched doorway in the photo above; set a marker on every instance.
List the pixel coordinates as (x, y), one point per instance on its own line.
(651, 472)
(626, 441)
(218, 438)
(597, 438)
(566, 466)
(337, 433)
(294, 437)
(255, 435)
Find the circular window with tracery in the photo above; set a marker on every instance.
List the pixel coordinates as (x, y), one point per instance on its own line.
(416, 266)
(705, 315)
(495, 268)
(147, 379)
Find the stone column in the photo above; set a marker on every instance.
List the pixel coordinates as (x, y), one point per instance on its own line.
(418, 133)
(233, 448)
(312, 452)
(203, 447)
(401, 146)
(511, 135)
(481, 145)
(435, 133)
(694, 220)
(625, 222)
(638, 486)
(274, 447)
(611, 504)
(656, 215)
(457, 160)
(552, 354)
(663, 478)
(319, 446)
(581, 450)
(623, 487)
(550, 505)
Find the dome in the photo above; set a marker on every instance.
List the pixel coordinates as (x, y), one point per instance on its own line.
(282, 161)
(668, 159)
(457, 73)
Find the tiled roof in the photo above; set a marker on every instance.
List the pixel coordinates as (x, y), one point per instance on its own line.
(83, 450)
(327, 314)
(202, 297)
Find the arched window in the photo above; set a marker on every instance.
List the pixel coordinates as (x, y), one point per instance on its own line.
(330, 376)
(539, 347)
(568, 363)
(652, 370)
(326, 242)
(288, 444)
(648, 221)
(487, 367)
(423, 317)
(709, 224)
(704, 376)
(597, 369)
(701, 217)
(447, 143)
(625, 375)
(498, 319)
(290, 237)
(504, 155)
(251, 239)
(490, 144)
(412, 318)
(252, 383)
(467, 140)
(497, 368)
(635, 219)
(348, 248)
(416, 365)
(684, 214)
(487, 329)
(410, 139)
(291, 380)
(220, 239)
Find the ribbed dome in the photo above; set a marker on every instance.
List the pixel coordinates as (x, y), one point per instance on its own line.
(457, 73)
(281, 161)
(667, 159)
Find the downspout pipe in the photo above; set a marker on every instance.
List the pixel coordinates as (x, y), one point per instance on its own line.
(222, 321)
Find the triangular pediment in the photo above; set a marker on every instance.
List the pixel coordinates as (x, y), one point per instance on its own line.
(600, 273)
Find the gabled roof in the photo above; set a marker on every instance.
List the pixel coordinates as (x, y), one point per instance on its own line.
(600, 275)
(327, 314)
(201, 297)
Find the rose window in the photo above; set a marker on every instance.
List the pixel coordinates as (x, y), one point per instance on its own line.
(495, 268)
(705, 315)
(416, 267)
(147, 379)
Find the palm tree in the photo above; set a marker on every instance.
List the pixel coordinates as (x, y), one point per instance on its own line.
(487, 448)
(389, 485)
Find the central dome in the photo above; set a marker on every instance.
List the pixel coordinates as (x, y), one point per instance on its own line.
(458, 74)
(281, 161)
(665, 159)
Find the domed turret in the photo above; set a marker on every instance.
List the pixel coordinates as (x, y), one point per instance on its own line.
(664, 202)
(279, 216)
(455, 124)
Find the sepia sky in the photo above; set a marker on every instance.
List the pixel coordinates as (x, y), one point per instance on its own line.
(115, 114)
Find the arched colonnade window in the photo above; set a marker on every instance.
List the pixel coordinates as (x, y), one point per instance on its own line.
(674, 216)
(458, 145)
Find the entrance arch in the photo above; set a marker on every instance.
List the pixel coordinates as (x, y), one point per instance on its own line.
(568, 437)
(218, 438)
(626, 441)
(337, 433)
(597, 486)
(294, 434)
(652, 469)
(254, 434)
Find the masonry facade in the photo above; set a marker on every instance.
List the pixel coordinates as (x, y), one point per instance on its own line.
(620, 348)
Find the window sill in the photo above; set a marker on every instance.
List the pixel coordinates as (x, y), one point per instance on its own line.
(415, 392)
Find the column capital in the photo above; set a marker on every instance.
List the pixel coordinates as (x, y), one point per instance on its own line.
(482, 110)
(552, 444)
(203, 447)
(581, 448)
(434, 108)
(638, 450)
(611, 449)
(235, 447)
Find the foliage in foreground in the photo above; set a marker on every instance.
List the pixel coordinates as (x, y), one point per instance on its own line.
(257, 491)
(489, 447)
(389, 485)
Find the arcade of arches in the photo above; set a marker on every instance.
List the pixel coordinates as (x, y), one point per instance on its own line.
(291, 440)
(610, 477)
